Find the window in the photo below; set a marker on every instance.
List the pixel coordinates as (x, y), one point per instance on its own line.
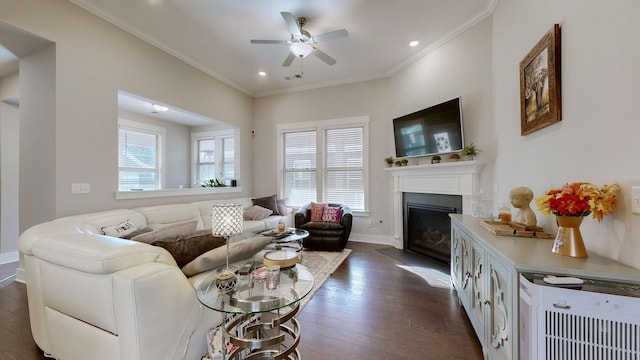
(139, 156)
(214, 156)
(325, 162)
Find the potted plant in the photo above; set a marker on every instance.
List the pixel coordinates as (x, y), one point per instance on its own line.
(388, 160)
(213, 183)
(454, 157)
(470, 151)
(404, 162)
(435, 159)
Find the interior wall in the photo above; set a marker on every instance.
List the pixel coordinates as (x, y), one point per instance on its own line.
(594, 141)
(9, 199)
(37, 156)
(96, 59)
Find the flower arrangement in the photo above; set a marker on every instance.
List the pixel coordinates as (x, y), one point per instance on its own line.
(579, 199)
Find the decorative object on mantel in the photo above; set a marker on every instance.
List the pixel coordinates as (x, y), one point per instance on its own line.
(435, 159)
(570, 204)
(398, 163)
(389, 161)
(404, 162)
(454, 157)
(226, 221)
(501, 228)
(520, 199)
(469, 152)
(540, 95)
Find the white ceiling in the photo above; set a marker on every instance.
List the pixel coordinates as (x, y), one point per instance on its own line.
(213, 35)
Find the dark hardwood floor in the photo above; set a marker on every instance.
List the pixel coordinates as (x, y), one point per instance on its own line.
(371, 308)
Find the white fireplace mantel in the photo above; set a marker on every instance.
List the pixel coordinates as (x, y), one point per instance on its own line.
(451, 178)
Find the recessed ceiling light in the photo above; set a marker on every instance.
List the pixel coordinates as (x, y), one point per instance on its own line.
(262, 73)
(414, 43)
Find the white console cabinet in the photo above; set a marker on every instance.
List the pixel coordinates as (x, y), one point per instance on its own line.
(485, 271)
(485, 291)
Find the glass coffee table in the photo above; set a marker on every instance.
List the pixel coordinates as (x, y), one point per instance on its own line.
(286, 239)
(259, 315)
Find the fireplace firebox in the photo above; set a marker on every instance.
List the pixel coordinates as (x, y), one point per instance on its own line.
(427, 226)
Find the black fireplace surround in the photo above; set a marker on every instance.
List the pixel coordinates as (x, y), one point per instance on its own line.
(426, 223)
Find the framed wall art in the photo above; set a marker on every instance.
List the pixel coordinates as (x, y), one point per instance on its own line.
(540, 95)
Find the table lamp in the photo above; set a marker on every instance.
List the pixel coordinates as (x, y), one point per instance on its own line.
(226, 221)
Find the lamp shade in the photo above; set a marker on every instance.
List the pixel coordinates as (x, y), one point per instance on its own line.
(226, 219)
(300, 49)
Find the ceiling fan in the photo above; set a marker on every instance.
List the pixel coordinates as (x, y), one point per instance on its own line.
(302, 43)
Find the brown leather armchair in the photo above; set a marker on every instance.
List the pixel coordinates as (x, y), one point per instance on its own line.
(327, 236)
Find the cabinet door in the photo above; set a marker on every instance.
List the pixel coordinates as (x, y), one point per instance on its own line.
(499, 312)
(476, 290)
(457, 272)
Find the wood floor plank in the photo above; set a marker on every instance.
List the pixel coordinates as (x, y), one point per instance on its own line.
(370, 308)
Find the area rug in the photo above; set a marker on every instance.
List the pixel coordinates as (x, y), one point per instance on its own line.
(321, 264)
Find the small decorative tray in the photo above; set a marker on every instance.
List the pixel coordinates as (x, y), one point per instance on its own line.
(502, 228)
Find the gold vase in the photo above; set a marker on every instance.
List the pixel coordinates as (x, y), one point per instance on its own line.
(568, 240)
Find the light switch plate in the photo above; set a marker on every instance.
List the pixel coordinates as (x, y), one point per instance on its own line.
(635, 199)
(80, 188)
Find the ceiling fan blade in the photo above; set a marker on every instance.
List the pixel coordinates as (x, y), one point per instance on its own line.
(292, 24)
(279, 42)
(324, 57)
(288, 60)
(332, 35)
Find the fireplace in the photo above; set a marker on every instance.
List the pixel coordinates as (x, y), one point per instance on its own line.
(427, 226)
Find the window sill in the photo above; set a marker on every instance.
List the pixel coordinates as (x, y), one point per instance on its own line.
(147, 194)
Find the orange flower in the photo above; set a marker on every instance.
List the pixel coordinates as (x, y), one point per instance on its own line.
(579, 199)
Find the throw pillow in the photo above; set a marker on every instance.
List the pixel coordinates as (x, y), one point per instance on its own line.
(186, 247)
(123, 229)
(185, 227)
(268, 202)
(217, 257)
(257, 212)
(282, 206)
(316, 211)
(144, 230)
(331, 214)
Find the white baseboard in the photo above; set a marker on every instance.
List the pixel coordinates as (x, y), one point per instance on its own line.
(9, 257)
(376, 239)
(21, 276)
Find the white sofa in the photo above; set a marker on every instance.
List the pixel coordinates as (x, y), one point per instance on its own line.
(93, 296)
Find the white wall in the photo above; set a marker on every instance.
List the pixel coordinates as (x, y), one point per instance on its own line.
(600, 85)
(9, 168)
(93, 60)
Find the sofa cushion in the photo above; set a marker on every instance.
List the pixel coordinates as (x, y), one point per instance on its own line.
(257, 212)
(137, 232)
(167, 231)
(268, 202)
(217, 257)
(321, 225)
(186, 247)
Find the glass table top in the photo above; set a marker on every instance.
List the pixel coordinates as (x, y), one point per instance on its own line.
(288, 235)
(251, 294)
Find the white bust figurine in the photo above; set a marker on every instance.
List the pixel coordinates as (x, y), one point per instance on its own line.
(520, 199)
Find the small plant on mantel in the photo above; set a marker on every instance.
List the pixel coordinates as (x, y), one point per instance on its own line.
(398, 163)
(435, 159)
(388, 160)
(470, 151)
(454, 157)
(404, 162)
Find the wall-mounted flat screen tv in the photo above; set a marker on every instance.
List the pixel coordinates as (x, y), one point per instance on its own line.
(434, 130)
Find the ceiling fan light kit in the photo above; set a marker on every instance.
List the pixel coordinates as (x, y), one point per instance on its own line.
(302, 43)
(300, 49)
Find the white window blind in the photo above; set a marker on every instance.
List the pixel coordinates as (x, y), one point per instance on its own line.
(138, 160)
(325, 161)
(344, 166)
(228, 158)
(299, 167)
(206, 160)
